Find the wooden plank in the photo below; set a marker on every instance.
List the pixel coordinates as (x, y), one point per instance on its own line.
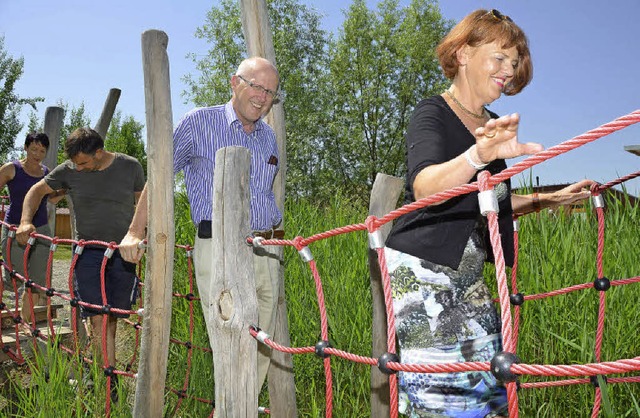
(9, 339)
(154, 348)
(39, 311)
(282, 391)
(232, 290)
(53, 119)
(384, 197)
(102, 126)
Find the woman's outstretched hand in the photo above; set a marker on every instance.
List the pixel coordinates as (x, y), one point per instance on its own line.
(498, 139)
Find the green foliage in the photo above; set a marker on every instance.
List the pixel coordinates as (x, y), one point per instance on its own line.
(74, 118)
(347, 101)
(125, 136)
(10, 103)
(382, 64)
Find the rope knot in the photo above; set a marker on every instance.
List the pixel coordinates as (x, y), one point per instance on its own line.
(371, 223)
(483, 180)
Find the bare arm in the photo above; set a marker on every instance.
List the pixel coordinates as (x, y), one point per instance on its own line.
(29, 207)
(524, 204)
(129, 246)
(7, 173)
(56, 196)
(497, 139)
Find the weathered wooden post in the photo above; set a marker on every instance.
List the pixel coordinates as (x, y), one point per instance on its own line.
(384, 196)
(154, 349)
(282, 391)
(53, 118)
(232, 290)
(102, 126)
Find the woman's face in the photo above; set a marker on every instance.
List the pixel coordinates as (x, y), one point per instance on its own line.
(489, 68)
(36, 152)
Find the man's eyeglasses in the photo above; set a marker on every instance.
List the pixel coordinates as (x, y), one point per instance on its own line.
(498, 16)
(273, 95)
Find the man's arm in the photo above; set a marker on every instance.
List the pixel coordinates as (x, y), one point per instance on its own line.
(29, 207)
(129, 246)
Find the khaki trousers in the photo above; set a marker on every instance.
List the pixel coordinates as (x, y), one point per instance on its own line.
(265, 266)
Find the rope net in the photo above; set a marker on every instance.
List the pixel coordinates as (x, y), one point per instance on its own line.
(506, 366)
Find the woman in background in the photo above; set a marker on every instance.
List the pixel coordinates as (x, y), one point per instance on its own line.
(19, 176)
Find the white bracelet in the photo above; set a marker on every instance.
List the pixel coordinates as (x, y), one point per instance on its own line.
(467, 156)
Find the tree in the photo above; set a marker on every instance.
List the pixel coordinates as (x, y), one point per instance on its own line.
(347, 101)
(10, 103)
(73, 119)
(382, 64)
(125, 136)
(301, 56)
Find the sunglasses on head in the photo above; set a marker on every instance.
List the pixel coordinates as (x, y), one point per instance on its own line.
(498, 16)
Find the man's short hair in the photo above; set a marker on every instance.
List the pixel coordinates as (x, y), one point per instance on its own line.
(83, 140)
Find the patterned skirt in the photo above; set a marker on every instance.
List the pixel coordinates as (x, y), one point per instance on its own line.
(446, 316)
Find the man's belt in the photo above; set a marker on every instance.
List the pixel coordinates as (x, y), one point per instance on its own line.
(204, 231)
(270, 234)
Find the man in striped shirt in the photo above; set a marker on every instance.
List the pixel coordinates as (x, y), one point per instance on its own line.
(198, 136)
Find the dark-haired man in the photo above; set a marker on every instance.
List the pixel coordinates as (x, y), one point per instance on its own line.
(104, 187)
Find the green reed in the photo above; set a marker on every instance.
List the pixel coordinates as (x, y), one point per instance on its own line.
(556, 250)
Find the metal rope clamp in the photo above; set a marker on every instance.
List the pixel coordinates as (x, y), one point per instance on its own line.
(488, 202)
(306, 255)
(598, 201)
(375, 240)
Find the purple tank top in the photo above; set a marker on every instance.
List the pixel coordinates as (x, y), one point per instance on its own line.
(18, 188)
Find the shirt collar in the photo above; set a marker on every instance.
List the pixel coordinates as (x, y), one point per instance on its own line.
(231, 117)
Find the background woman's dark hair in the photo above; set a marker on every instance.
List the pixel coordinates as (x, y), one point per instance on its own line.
(83, 140)
(39, 137)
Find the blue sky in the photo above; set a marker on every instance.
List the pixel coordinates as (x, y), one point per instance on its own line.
(585, 54)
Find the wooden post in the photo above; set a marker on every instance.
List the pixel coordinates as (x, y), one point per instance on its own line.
(53, 118)
(154, 349)
(232, 290)
(384, 196)
(102, 126)
(282, 391)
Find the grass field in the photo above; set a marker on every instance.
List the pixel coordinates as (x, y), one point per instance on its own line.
(556, 251)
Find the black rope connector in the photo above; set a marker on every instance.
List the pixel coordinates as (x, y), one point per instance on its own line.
(189, 297)
(384, 359)
(106, 309)
(6, 349)
(137, 325)
(602, 284)
(109, 371)
(596, 382)
(188, 345)
(516, 299)
(3, 306)
(17, 319)
(181, 393)
(13, 274)
(321, 346)
(74, 302)
(50, 292)
(501, 366)
(28, 283)
(35, 332)
(128, 367)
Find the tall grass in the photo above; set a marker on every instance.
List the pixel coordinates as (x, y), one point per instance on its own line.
(556, 250)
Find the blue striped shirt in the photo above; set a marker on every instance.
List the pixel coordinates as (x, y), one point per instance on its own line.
(202, 132)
